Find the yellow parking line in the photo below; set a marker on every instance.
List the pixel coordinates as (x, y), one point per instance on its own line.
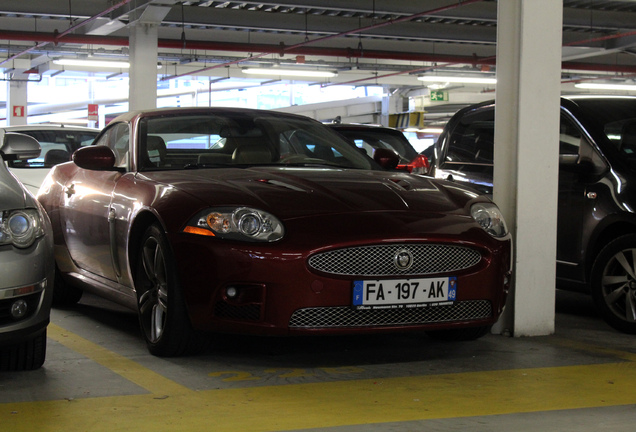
(132, 371)
(328, 404)
(582, 346)
(288, 407)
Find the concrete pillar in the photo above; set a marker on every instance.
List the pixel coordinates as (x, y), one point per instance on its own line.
(142, 90)
(529, 34)
(16, 103)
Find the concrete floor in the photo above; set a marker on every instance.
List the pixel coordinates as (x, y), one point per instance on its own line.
(99, 377)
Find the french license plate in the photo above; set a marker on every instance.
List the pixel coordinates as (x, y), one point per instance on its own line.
(404, 293)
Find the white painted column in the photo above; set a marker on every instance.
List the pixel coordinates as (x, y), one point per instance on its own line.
(142, 90)
(16, 103)
(529, 34)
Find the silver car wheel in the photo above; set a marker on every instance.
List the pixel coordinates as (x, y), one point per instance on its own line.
(153, 303)
(619, 284)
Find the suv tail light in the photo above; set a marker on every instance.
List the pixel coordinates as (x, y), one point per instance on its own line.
(419, 165)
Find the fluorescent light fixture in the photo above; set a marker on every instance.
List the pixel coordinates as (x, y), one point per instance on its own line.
(293, 72)
(92, 63)
(457, 79)
(439, 86)
(601, 86)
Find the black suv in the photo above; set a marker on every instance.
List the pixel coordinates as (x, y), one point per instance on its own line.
(596, 232)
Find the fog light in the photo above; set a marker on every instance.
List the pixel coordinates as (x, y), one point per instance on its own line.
(19, 309)
(231, 292)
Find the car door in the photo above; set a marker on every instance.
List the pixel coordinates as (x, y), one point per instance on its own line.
(578, 206)
(87, 208)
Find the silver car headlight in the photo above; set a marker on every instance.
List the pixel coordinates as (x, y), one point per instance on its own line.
(489, 217)
(20, 227)
(237, 223)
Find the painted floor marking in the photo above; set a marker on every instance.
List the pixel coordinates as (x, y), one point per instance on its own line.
(128, 369)
(169, 406)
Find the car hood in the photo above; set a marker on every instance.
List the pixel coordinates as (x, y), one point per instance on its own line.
(31, 178)
(298, 192)
(12, 195)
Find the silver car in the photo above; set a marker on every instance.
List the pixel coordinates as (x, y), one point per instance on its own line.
(58, 142)
(27, 267)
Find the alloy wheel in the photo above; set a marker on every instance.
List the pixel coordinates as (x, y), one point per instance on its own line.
(619, 284)
(153, 302)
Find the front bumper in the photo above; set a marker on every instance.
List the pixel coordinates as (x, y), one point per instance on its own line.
(280, 294)
(27, 282)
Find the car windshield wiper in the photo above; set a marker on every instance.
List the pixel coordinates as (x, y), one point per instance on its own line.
(313, 164)
(204, 165)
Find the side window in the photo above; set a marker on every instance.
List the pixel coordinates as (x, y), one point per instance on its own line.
(472, 140)
(362, 144)
(575, 149)
(569, 137)
(117, 138)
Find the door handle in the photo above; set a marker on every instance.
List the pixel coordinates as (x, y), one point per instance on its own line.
(70, 190)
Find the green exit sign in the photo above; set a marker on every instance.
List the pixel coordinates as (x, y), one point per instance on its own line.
(439, 95)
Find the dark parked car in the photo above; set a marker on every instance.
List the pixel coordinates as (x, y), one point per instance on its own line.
(370, 138)
(596, 247)
(58, 142)
(247, 221)
(26, 264)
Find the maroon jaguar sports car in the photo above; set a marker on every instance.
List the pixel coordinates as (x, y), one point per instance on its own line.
(245, 221)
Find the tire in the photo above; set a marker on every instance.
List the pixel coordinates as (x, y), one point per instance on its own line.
(63, 293)
(458, 335)
(26, 355)
(613, 283)
(163, 317)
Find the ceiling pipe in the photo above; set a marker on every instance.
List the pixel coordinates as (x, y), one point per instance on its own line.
(283, 49)
(601, 38)
(276, 49)
(58, 36)
(272, 49)
(242, 47)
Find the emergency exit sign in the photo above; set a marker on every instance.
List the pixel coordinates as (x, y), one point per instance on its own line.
(439, 95)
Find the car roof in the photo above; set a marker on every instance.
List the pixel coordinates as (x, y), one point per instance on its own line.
(48, 127)
(573, 98)
(358, 126)
(157, 112)
(592, 97)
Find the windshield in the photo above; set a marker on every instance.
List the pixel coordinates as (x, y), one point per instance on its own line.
(242, 139)
(372, 139)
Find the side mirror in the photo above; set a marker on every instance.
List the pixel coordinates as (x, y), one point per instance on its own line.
(573, 163)
(17, 146)
(98, 157)
(386, 158)
(568, 159)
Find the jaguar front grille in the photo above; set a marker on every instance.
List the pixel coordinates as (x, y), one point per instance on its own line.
(344, 316)
(382, 260)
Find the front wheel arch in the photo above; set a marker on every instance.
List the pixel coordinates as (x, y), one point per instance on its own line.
(163, 316)
(137, 229)
(602, 238)
(613, 283)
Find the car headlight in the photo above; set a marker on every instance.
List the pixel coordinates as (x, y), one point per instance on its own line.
(20, 227)
(237, 223)
(489, 217)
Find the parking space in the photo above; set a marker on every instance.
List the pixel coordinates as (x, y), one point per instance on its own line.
(99, 376)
